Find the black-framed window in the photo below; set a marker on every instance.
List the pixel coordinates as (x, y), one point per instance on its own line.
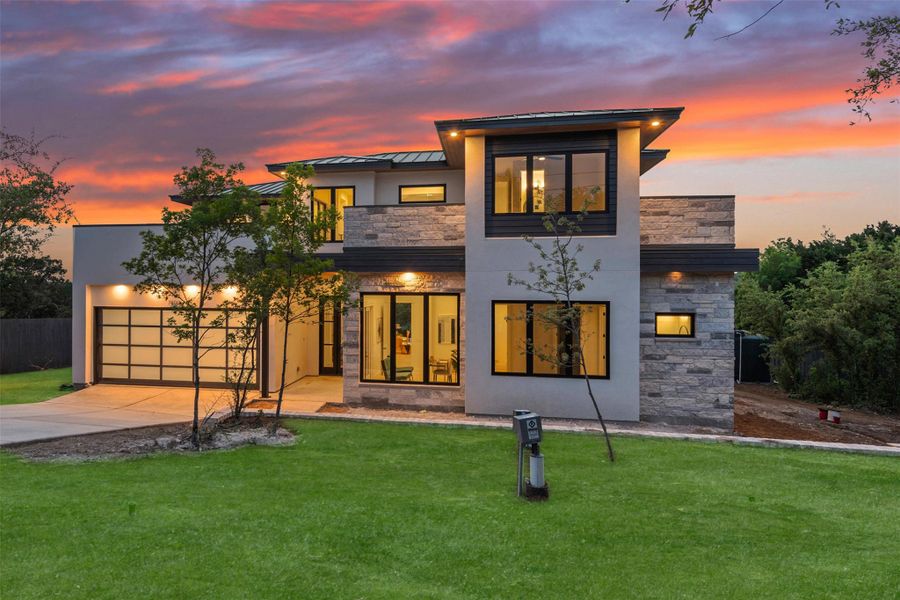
(517, 322)
(671, 324)
(534, 183)
(338, 197)
(409, 338)
(138, 344)
(431, 193)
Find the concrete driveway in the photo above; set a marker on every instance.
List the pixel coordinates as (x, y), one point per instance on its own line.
(102, 408)
(107, 407)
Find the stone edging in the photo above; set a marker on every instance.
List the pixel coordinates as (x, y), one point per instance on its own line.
(694, 437)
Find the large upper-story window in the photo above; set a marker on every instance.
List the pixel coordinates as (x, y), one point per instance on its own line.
(538, 183)
(550, 351)
(410, 338)
(338, 197)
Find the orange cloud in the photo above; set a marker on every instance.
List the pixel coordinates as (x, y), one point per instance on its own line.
(91, 211)
(163, 80)
(766, 138)
(116, 180)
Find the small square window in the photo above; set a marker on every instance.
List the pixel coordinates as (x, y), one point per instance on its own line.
(674, 324)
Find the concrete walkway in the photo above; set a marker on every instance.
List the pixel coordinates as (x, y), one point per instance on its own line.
(107, 407)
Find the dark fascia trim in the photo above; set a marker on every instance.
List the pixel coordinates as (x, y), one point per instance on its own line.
(379, 165)
(698, 258)
(651, 158)
(689, 196)
(505, 122)
(445, 259)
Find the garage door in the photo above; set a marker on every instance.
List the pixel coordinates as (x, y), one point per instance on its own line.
(137, 345)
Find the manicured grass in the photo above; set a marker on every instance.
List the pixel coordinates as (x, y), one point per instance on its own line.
(33, 386)
(399, 511)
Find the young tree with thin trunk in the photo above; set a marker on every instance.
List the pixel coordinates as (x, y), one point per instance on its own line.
(303, 281)
(187, 264)
(559, 276)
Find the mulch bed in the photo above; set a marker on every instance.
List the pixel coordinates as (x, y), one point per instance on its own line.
(152, 440)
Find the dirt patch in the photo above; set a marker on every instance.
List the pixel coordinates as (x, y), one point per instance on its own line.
(261, 404)
(766, 411)
(151, 440)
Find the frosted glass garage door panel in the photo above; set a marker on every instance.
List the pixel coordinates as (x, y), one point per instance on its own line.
(145, 317)
(115, 316)
(176, 374)
(114, 372)
(149, 373)
(115, 335)
(115, 354)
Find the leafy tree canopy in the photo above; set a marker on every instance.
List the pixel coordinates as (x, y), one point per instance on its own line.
(880, 46)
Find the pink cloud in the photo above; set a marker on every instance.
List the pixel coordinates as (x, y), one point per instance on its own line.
(163, 80)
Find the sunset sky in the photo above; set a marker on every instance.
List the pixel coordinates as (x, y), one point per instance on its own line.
(133, 88)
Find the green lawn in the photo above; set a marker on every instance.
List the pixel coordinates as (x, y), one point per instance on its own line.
(33, 386)
(400, 511)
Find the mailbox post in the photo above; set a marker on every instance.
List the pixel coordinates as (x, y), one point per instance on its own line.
(529, 434)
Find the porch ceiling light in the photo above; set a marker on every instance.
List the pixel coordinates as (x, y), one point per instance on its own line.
(454, 133)
(654, 123)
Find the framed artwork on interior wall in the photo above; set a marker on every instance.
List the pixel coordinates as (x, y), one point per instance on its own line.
(446, 329)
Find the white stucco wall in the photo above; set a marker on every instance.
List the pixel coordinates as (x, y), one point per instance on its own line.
(387, 184)
(489, 260)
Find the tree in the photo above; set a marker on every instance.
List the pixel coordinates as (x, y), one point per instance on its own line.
(34, 287)
(303, 282)
(32, 200)
(559, 276)
(846, 323)
(32, 203)
(833, 323)
(881, 46)
(187, 264)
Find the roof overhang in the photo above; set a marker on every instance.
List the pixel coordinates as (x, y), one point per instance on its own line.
(452, 132)
(651, 158)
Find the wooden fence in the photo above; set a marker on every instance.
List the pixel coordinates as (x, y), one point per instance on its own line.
(30, 344)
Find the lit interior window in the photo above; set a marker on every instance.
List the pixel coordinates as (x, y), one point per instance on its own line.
(422, 193)
(674, 325)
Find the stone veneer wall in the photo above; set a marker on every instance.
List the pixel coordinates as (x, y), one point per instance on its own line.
(441, 397)
(409, 225)
(688, 380)
(687, 220)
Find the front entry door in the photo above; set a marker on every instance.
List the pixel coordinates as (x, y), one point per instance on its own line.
(330, 337)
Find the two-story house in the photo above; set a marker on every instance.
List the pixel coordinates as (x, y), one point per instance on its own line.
(433, 236)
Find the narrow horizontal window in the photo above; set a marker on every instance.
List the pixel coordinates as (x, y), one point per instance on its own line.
(674, 325)
(415, 194)
(536, 339)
